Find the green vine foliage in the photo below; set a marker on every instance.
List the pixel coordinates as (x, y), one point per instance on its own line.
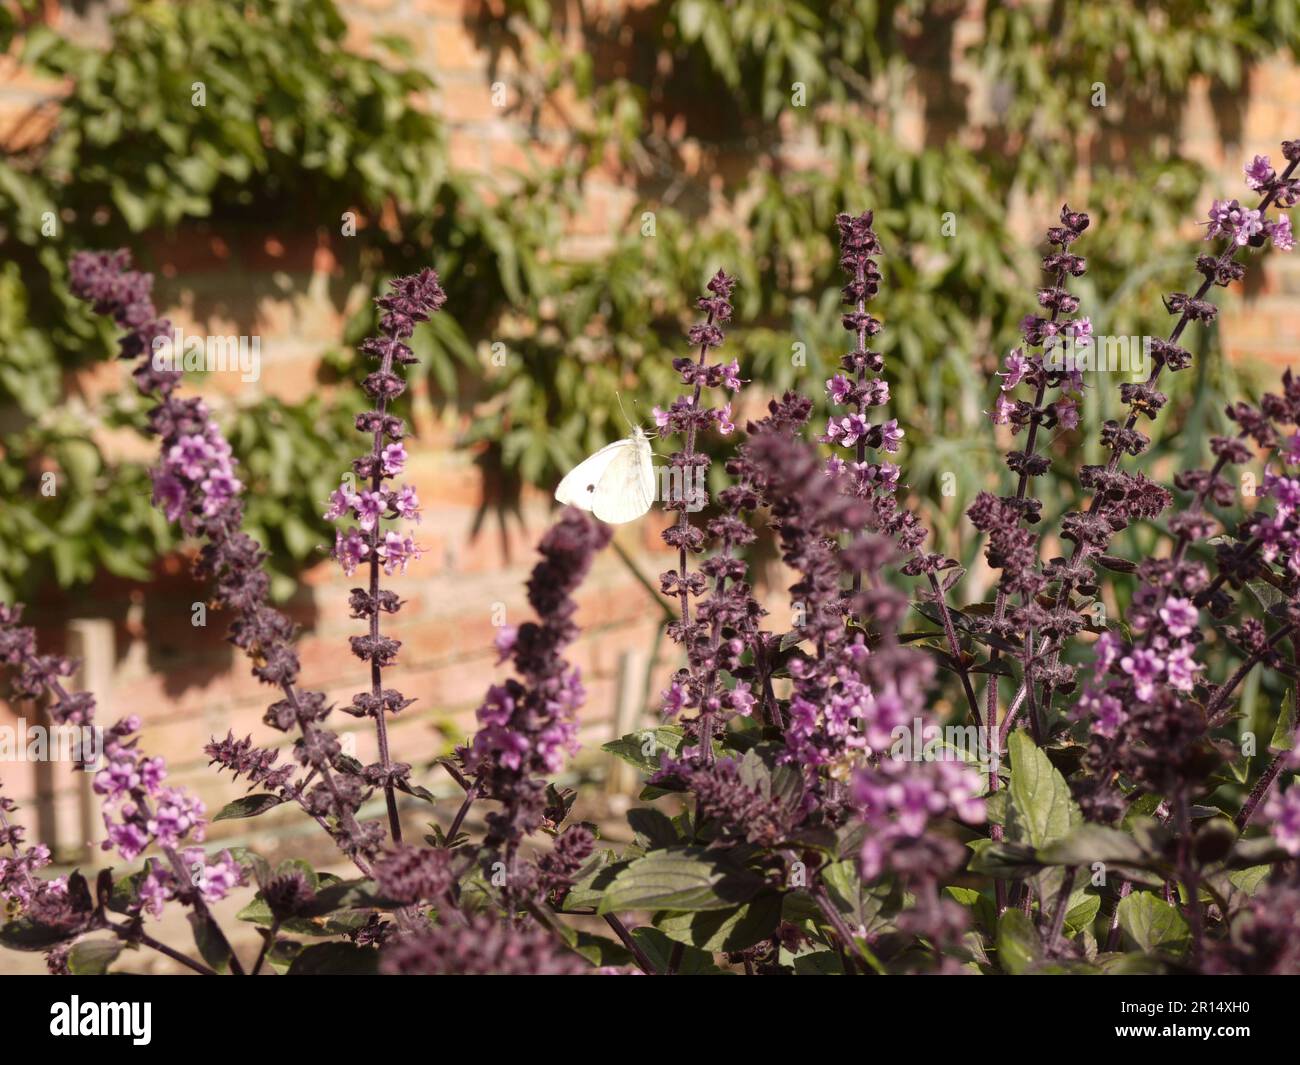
(251, 116)
(1011, 128)
(780, 115)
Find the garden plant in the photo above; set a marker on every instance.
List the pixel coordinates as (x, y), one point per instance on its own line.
(886, 779)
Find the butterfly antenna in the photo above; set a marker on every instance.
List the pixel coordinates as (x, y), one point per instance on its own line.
(650, 433)
(630, 423)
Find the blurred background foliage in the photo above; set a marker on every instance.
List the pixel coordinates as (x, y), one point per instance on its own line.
(742, 127)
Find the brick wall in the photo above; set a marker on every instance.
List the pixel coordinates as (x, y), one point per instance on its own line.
(184, 682)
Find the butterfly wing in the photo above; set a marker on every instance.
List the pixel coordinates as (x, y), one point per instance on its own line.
(579, 486)
(626, 489)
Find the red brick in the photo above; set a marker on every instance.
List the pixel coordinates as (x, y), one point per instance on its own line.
(467, 9)
(454, 49)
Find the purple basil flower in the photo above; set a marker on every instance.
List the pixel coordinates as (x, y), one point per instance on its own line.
(674, 699)
(1016, 365)
(409, 301)
(195, 483)
(1280, 233)
(527, 725)
(369, 508)
(848, 430)
(341, 502)
(1179, 615)
(350, 550)
(1282, 811)
(1230, 219)
(1145, 668)
(1002, 410)
(407, 504)
(1067, 413)
(1259, 172)
(393, 459)
(505, 642)
(891, 436)
(731, 376)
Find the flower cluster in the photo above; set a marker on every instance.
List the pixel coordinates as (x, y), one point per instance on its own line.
(138, 808)
(244, 759)
(1243, 225)
(900, 801)
(36, 676)
(849, 696)
(527, 725)
(410, 300)
(1055, 384)
(1262, 940)
(212, 879)
(197, 473)
(481, 946)
(19, 887)
(737, 809)
(411, 875)
(394, 551)
(195, 483)
(853, 388)
(1150, 705)
(1282, 812)
(556, 870)
(810, 510)
(714, 635)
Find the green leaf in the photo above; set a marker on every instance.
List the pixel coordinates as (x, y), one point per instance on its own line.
(1284, 734)
(280, 957)
(1152, 924)
(1132, 965)
(560, 800)
(1265, 593)
(126, 893)
(592, 881)
(984, 908)
(654, 827)
(1137, 853)
(1249, 879)
(417, 790)
(867, 909)
(601, 950)
(1257, 851)
(135, 209)
(679, 878)
(248, 806)
(333, 913)
(643, 749)
(1094, 843)
(1038, 792)
(1019, 948)
(818, 963)
(724, 930)
(208, 938)
(335, 959)
(298, 865)
(346, 895)
(659, 949)
(1082, 911)
(25, 934)
(92, 957)
(1006, 861)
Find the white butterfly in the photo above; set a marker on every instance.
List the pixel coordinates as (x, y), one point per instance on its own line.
(617, 483)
